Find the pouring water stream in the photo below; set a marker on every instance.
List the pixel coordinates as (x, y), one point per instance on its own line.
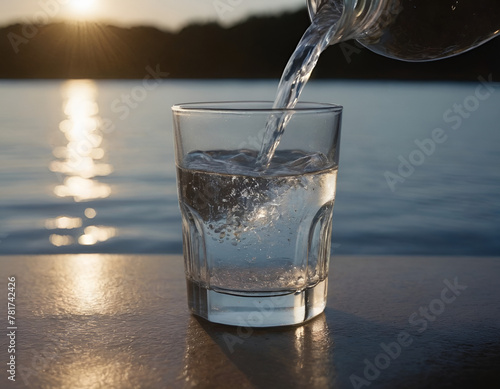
(296, 74)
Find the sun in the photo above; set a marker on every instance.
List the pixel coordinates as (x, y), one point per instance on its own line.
(82, 7)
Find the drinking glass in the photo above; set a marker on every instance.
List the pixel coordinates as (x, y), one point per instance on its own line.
(256, 239)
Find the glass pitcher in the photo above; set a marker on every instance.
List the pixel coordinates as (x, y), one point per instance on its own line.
(415, 30)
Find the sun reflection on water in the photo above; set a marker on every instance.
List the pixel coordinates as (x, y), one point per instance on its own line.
(79, 161)
(95, 234)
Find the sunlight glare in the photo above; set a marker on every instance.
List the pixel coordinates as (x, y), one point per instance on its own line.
(82, 6)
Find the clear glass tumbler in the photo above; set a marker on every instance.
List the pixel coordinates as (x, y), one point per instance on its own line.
(256, 240)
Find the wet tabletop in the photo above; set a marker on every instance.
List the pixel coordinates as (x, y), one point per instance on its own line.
(101, 321)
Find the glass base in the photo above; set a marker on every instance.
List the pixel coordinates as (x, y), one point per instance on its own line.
(257, 309)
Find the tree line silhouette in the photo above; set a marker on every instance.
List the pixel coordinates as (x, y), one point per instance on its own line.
(258, 47)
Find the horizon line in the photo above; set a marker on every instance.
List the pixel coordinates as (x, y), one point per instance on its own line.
(152, 24)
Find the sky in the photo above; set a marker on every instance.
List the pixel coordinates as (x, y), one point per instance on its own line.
(165, 14)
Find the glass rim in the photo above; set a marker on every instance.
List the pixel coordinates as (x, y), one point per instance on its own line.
(253, 106)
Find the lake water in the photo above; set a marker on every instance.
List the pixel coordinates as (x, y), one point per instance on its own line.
(67, 186)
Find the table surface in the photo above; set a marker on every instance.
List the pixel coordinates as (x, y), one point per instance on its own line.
(121, 321)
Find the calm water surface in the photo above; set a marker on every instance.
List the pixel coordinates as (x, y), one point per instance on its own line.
(88, 166)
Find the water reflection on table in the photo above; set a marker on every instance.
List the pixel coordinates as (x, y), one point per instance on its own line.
(95, 320)
(113, 321)
(301, 356)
